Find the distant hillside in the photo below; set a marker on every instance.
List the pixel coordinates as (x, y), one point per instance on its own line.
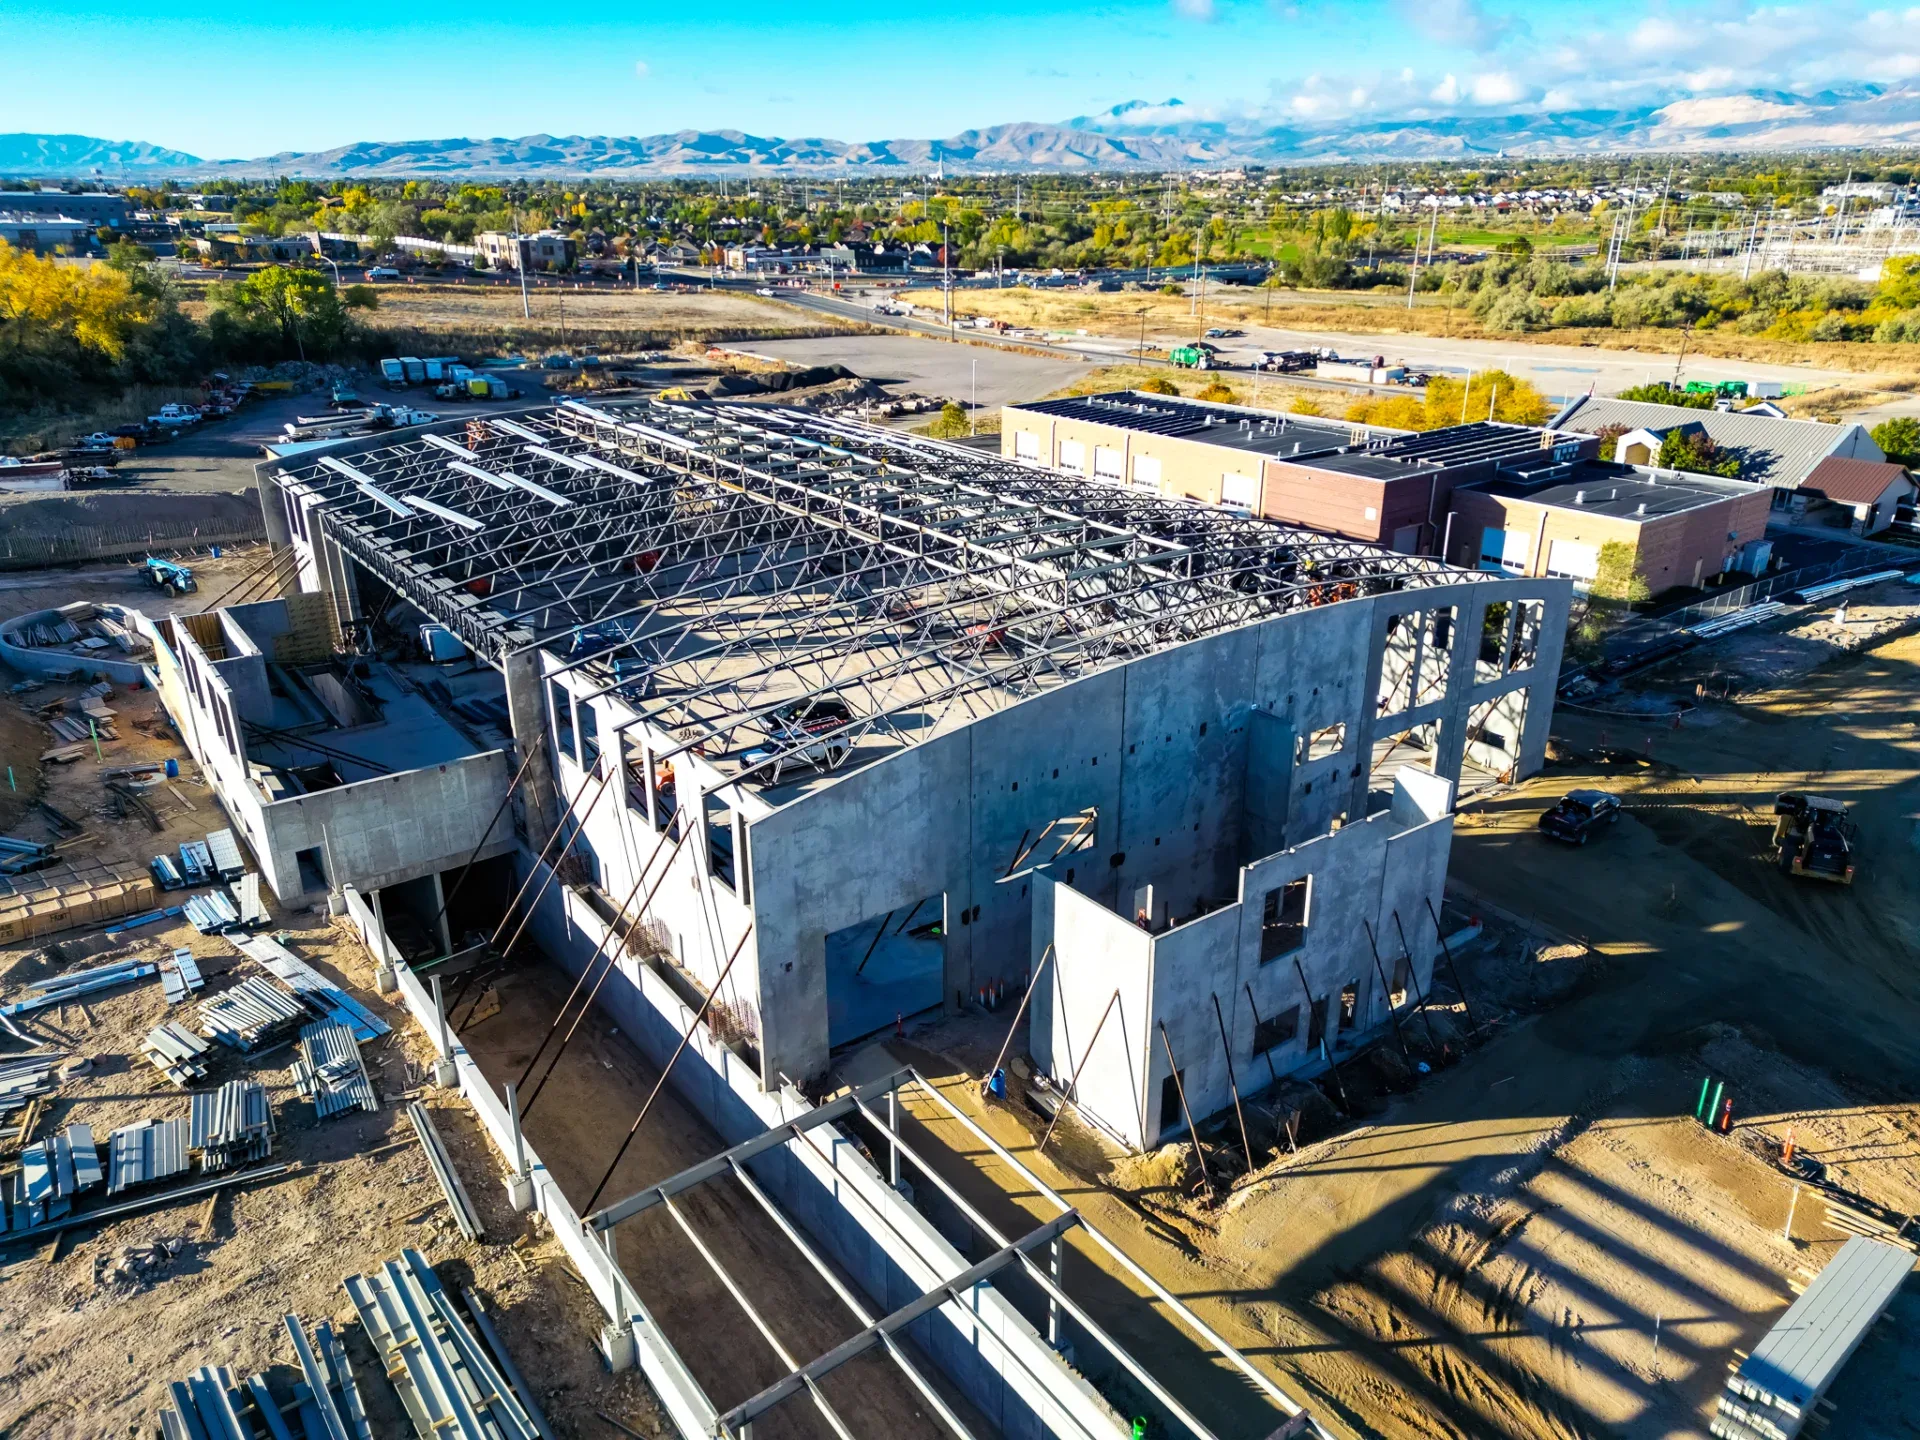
(83, 155)
(1139, 135)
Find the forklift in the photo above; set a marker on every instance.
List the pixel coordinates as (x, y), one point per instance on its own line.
(169, 576)
(1814, 837)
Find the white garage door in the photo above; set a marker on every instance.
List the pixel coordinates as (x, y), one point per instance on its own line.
(1073, 455)
(1239, 491)
(1026, 445)
(1108, 464)
(1146, 472)
(1573, 560)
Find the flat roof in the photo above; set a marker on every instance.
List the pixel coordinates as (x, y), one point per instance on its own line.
(724, 568)
(1397, 456)
(1622, 492)
(1234, 427)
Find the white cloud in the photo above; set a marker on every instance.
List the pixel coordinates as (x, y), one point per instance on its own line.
(641, 69)
(1201, 10)
(1447, 92)
(1497, 88)
(1467, 24)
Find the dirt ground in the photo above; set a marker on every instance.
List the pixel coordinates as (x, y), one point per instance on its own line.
(1492, 1253)
(1347, 312)
(85, 1354)
(476, 315)
(576, 1125)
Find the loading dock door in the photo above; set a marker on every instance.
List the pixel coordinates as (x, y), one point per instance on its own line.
(885, 966)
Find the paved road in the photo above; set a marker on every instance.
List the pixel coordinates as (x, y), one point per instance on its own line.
(1558, 371)
(962, 372)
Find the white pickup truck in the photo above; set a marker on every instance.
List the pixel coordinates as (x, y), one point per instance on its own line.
(173, 417)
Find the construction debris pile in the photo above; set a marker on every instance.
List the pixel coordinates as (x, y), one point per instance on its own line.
(83, 629)
(180, 976)
(22, 1080)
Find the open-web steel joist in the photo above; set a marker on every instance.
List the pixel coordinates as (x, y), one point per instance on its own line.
(962, 1291)
(729, 570)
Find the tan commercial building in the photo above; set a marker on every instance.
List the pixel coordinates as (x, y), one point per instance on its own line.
(1187, 449)
(1683, 529)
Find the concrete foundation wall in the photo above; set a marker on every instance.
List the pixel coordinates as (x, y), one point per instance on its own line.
(1360, 876)
(892, 1252)
(1158, 748)
(371, 834)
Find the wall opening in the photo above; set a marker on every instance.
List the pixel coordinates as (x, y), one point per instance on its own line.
(312, 867)
(562, 707)
(1349, 1004)
(1316, 1023)
(1412, 746)
(885, 967)
(1273, 1031)
(1171, 1118)
(589, 725)
(719, 826)
(1283, 919)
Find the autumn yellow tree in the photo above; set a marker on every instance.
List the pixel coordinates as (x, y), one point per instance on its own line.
(1490, 394)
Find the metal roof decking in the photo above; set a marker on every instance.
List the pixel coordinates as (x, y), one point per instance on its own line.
(718, 563)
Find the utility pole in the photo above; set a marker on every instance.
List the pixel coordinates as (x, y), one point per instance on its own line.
(520, 264)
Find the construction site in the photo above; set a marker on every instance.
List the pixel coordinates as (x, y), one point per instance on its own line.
(1115, 987)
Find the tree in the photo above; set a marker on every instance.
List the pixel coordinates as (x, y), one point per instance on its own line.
(1899, 439)
(1617, 575)
(296, 306)
(1697, 455)
(953, 422)
(1659, 392)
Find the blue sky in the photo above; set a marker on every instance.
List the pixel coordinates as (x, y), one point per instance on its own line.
(273, 78)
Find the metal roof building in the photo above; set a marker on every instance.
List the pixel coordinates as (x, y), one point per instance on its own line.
(879, 678)
(1772, 451)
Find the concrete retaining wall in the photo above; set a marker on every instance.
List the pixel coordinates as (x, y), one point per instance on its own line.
(845, 1207)
(679, 1394)
(66, 528)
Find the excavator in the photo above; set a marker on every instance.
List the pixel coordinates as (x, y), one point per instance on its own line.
(1814, 837)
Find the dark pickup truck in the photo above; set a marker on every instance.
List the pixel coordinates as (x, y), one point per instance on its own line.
(1579, 814)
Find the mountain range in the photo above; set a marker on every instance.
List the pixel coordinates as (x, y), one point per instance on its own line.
(1138, 135)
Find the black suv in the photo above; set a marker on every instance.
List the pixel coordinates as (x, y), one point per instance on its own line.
(1579, 814)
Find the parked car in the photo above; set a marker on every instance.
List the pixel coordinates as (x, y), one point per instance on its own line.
(1579, 814)
(763, 290)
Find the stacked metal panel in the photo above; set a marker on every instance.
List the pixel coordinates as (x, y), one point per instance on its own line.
(1772, 1395)
(447, 1382)
(212, 913)
(230, 1126)
(330, 1407)
(324, 997)
(176, 1052)
(180, 976)
(330, 1071)
(246, 900)
(150, 1150)
(252, 1013)
(51, 1173)
(195, 862)
(213, 1404)
(21, 1080)
(224, 855)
